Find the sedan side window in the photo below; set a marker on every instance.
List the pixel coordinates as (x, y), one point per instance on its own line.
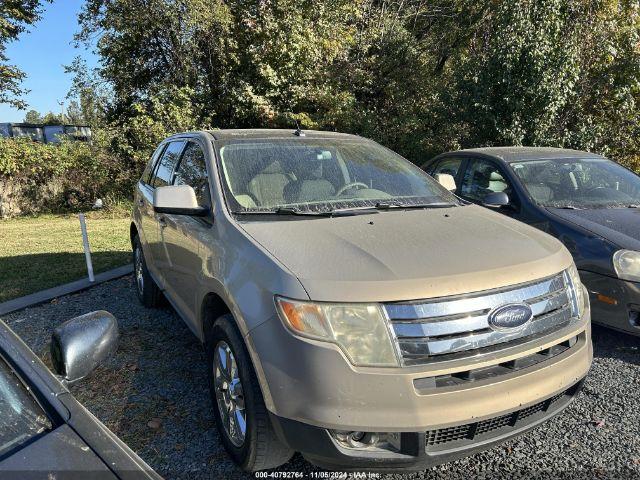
(482, 178)
(450, 166)
(166, 165)
(192, 171)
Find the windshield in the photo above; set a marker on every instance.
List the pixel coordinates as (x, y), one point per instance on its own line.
(579, 183)
(321, 175)
(22, 418)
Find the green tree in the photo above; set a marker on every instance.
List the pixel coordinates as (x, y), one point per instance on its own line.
(15, 17)
(421, 76)
(33, 116)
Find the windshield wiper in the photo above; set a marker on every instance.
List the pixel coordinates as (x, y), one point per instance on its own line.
(338, 212)
(283, 211)
(404, 206)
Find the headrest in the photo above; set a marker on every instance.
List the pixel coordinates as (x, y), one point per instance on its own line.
(446, 180)
(273, 167)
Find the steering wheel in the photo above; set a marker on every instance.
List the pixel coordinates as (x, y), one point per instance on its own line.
(351, 185)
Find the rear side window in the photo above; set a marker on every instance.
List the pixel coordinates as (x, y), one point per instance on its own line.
(192, 171)
(166, 165)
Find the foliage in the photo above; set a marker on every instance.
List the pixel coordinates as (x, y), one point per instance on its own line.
(15, 16)
(420, 76)
(36, 176)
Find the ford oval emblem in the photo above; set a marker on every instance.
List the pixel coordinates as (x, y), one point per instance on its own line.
(507, 317)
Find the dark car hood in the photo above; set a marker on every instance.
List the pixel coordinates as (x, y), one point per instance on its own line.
(60, 453)
(617, 225)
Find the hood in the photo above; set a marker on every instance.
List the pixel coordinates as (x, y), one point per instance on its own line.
(620, 226)
(412, 254)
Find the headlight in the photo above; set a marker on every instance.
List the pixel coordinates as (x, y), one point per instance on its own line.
(627, 265)
(360, 330)
(576, 291)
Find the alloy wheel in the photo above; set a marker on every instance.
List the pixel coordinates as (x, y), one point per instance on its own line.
(229, 394)
(139, 270)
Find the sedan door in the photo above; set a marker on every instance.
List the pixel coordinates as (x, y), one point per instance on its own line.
(181, 235)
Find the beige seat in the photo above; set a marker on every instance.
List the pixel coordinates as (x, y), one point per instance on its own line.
(496, 182)
(268, 185)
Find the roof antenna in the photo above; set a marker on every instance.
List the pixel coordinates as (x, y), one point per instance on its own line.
(298, 132)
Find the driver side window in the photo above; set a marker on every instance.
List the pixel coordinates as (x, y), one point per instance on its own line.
(192, 171)
(482, 178)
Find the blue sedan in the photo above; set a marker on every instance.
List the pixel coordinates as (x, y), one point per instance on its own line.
(588, 202)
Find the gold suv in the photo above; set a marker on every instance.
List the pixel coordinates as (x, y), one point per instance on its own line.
(351, 307)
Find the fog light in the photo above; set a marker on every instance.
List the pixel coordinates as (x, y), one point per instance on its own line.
(634, 318)
(357, 440)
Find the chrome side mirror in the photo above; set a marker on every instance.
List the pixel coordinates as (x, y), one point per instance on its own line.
(496, 199)
(79, 345)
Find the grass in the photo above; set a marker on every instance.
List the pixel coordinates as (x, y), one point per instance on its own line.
(44, 251)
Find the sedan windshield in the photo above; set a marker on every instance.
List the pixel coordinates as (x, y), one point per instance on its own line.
(322, 176)
(579, 183)
(21, 417)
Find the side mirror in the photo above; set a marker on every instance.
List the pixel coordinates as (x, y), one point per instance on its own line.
(447, 181)
(79, 345)
(496, 199)
(177, 200)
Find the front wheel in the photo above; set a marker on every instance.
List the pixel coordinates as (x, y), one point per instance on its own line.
(146, 288)
(241, 417)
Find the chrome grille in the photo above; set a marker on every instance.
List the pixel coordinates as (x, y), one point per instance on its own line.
(437, 329)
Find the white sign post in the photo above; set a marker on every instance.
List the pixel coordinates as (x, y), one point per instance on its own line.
(87, 251)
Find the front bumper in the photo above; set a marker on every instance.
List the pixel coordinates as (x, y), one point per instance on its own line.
(615, 303)
(313, 383)
(417, 450)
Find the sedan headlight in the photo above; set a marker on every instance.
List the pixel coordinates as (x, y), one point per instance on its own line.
(627, 265)
(576, 291)
(360, 330)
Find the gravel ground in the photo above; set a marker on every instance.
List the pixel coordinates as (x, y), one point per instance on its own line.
(153, 394)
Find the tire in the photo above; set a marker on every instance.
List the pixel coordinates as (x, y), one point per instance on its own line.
(260, 448)
(146, 288)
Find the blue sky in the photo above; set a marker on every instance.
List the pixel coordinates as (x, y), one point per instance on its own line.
(41, 53)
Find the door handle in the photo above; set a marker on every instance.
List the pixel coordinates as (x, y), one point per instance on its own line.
(162, 222)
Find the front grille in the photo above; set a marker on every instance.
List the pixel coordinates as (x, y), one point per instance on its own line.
(451, 437)
(467, 377)
(452, 327)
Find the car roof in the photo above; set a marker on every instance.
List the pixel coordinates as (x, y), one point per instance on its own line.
(256, 133)
(523, 154)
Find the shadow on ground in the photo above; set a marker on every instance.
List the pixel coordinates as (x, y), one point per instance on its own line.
(24, 274)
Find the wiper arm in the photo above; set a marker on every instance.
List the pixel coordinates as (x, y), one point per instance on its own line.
(390, 206)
